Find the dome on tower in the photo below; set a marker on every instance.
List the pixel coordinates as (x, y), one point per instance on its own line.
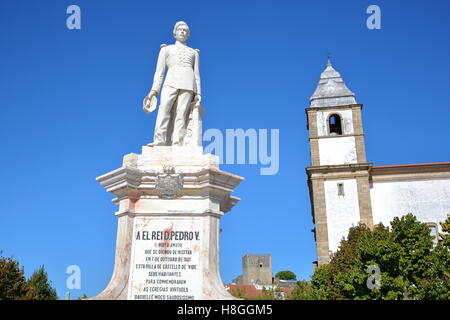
(331, 90)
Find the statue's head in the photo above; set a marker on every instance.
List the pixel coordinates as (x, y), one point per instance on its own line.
(181, 31)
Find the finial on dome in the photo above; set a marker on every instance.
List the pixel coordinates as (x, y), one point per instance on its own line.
(329, 59)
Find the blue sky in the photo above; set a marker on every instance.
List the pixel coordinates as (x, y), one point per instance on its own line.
(71, 108)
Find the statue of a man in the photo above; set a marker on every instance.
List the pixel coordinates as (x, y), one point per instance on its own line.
(180, 91)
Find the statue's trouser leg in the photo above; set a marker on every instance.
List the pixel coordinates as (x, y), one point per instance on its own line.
(168, 97)
(183, 104)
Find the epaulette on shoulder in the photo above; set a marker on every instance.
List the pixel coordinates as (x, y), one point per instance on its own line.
(163, 45)
(198, 50)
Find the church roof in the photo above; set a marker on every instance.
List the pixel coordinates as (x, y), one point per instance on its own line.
(415, 168)
(331, 90)
(410, 172)
(414, 165)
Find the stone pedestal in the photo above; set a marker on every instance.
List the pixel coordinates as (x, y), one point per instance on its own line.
(170, 203)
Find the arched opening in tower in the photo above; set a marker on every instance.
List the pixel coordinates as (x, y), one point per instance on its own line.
(334, 123)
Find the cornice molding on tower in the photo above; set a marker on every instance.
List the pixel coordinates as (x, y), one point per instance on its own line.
(336, 136)
(347, 106)
(342, 171)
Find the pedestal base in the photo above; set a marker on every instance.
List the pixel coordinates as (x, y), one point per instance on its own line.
(170, 203)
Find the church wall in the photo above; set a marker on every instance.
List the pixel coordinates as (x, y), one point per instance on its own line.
(340, 150)
(342, 211)
(428, 200)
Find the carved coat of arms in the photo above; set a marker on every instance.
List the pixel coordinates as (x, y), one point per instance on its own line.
(169, 184)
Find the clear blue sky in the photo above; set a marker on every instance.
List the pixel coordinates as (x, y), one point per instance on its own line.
(71, 108)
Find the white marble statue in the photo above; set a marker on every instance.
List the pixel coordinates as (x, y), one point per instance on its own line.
(180, 91)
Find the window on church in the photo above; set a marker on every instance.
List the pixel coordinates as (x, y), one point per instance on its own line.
(335, 125)
(341, 189)
(433, 232)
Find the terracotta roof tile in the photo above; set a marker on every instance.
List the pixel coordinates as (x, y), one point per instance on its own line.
(413, 165)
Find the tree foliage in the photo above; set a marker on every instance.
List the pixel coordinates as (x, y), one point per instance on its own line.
(410, 267)
(42, 285)
(286, 275)
(302, 291)
(239, 293)
(270, 294)
(84, 296)
(14, 286)
(445, 237)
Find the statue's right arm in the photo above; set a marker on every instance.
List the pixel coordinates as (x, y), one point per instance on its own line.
(160, 69)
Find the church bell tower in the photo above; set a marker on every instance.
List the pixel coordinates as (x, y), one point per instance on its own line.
(338, 177)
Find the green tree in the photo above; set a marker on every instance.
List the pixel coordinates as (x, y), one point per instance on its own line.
(13, 285)
(410, 267)
(445, 237)
(239, 293)
(302, 291)
(322, 284)
(83, 297)
(42, 285)
(286, 275)
(435, 283)
(270, 294)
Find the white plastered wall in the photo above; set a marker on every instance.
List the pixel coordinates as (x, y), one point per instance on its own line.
(428, 200)
(336, 150)
(342, 211)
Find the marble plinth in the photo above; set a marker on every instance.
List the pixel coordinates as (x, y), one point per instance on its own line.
(170, 202)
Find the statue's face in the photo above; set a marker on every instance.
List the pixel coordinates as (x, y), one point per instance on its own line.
(182, 33)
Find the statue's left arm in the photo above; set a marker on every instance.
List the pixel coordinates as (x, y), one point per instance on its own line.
(197, 75)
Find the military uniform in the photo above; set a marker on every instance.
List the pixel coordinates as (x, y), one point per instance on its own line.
(181, 83)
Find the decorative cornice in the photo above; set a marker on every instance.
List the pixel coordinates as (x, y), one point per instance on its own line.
(412, 168)
(340, 171)
(336, 136)
(127, 182)
(345, 106)
(411, 172)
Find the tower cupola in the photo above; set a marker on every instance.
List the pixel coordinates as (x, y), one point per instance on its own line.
(331, 90)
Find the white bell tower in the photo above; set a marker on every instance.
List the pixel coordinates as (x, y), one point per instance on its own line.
(338, 177)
